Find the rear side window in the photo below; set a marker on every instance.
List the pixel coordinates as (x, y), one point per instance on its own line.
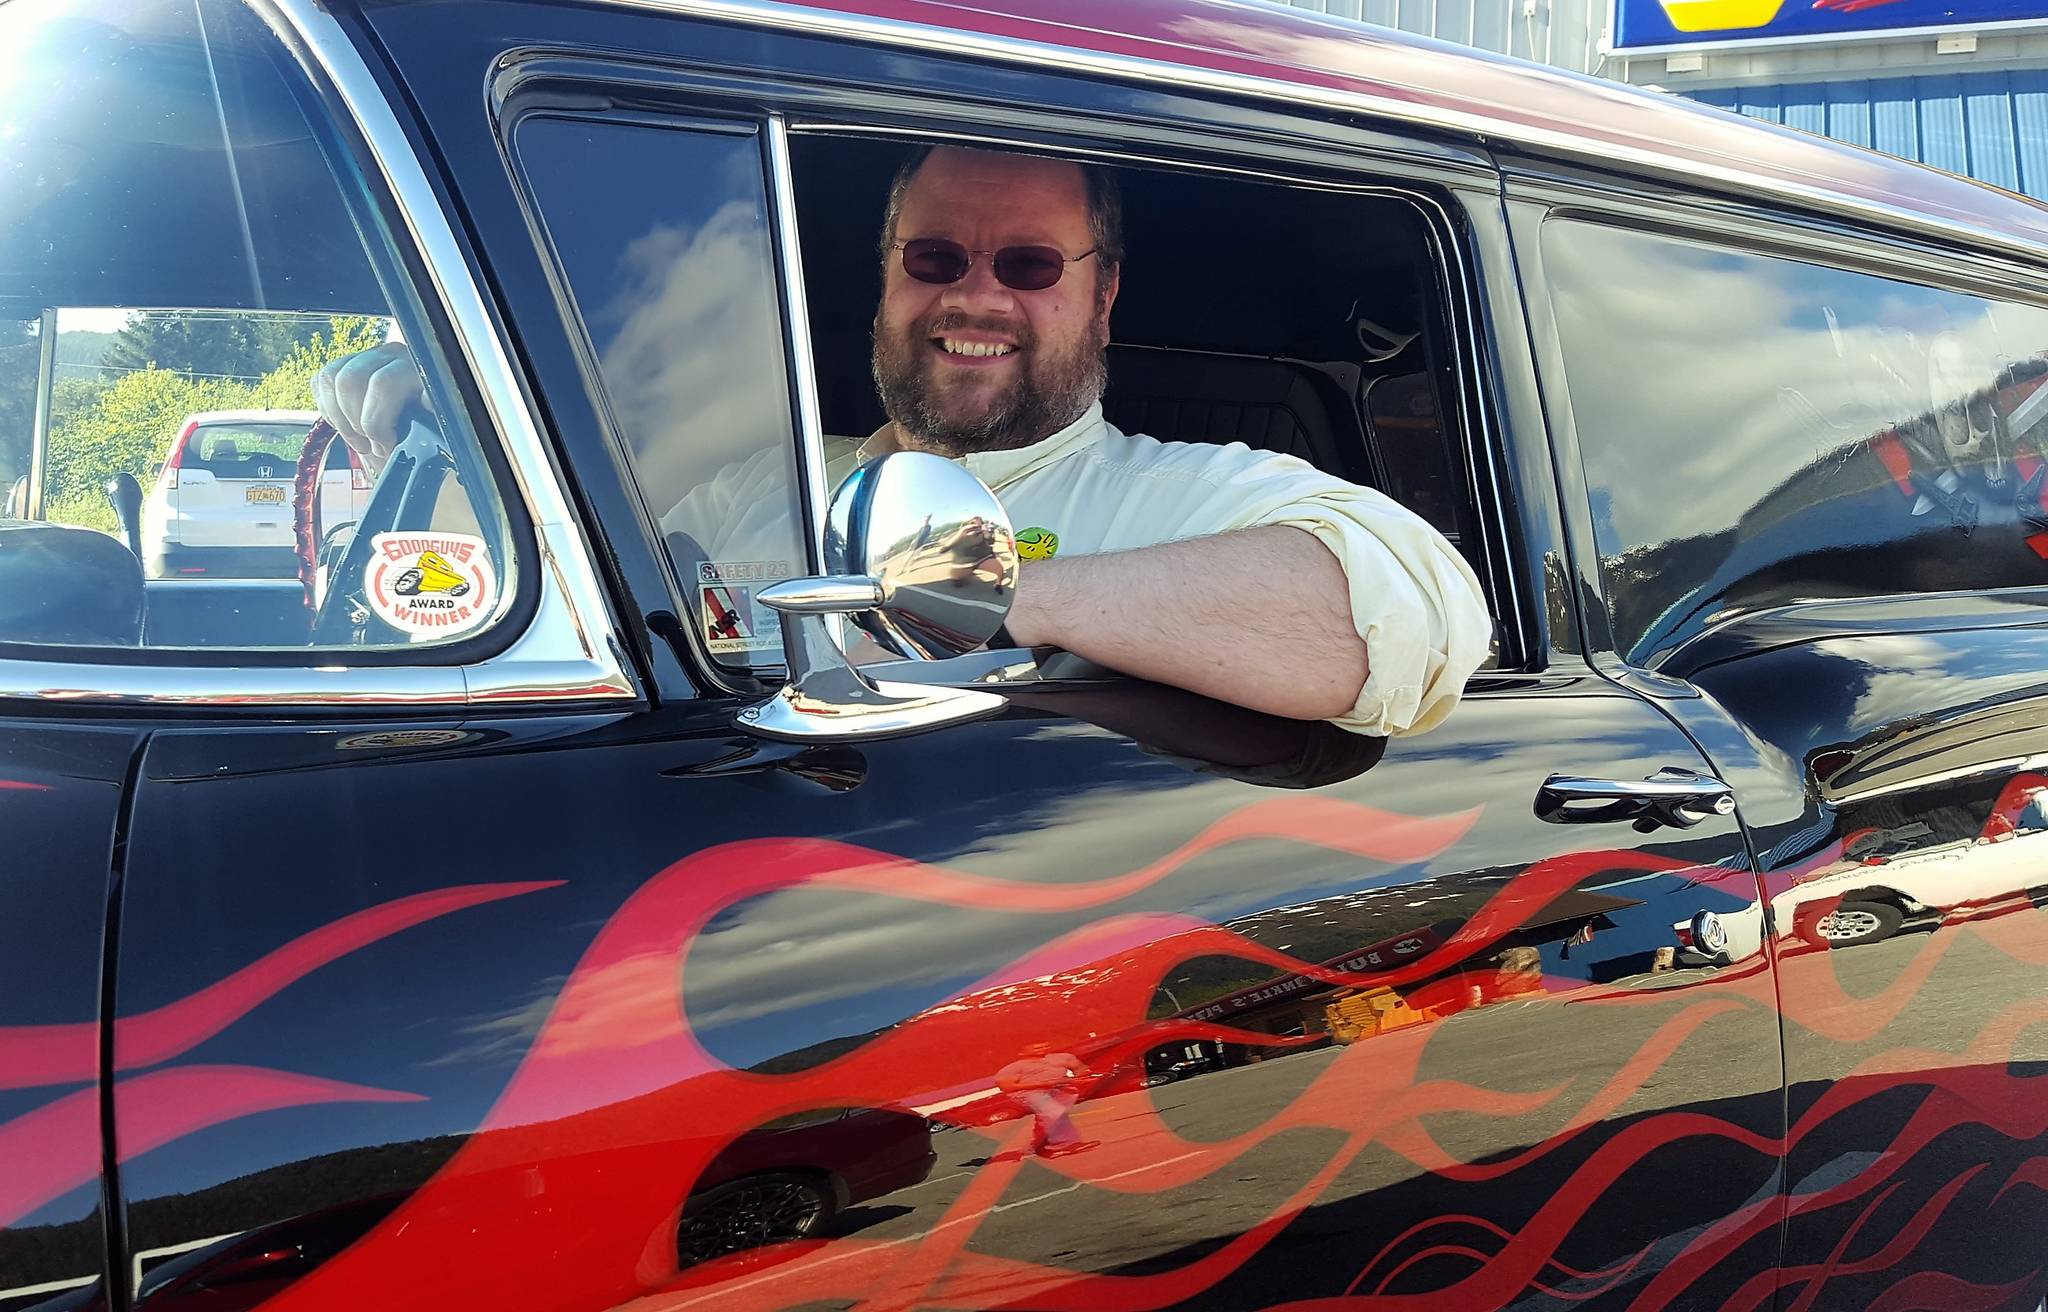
(244, 450)
(184, 246)
(1759, 430)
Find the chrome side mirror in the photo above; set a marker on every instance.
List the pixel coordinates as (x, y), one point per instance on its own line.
(936, 542)
(920, 555)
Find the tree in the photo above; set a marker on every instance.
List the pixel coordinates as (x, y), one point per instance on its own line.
(216, 343)
(130, 426)
(289, 385)
(101, 428)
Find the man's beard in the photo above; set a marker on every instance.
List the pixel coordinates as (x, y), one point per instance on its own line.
(1050, 391)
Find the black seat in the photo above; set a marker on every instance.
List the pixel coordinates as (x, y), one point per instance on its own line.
(1204, 396)
(67, 586)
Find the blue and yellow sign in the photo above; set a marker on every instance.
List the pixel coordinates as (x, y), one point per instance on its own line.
(1692, 24)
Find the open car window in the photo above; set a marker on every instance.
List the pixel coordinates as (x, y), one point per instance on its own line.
(661, 227)
(1314, 322)
(189, 251)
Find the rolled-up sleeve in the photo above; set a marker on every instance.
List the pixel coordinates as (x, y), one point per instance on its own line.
(1414, 600)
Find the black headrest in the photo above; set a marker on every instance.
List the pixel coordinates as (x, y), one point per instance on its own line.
(67, 586)
(1205, 396)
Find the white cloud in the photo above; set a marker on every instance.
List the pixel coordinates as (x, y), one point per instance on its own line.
(1702, 380)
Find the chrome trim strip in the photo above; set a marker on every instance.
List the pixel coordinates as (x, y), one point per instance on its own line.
(802, 359)
(185, 685)
(569, 652)
(571, 636)
(172, 583)
(39, 437)
(1480, 127)
(1479, 428)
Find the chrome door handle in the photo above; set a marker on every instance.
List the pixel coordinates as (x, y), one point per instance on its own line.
(1679, 798)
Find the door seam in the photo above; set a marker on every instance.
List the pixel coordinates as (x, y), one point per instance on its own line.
(113, 1214)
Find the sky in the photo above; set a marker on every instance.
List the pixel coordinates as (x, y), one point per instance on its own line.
(91, 321)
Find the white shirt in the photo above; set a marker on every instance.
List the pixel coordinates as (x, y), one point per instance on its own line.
(1414, 600)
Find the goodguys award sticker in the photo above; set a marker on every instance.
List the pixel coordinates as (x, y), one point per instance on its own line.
(437, 585)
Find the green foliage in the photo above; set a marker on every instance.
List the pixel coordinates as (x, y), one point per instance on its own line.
(130, 426)
(100, 428)
(80, 353)
(215, 342)
(78, 356)
(290, 385)
(87, 510)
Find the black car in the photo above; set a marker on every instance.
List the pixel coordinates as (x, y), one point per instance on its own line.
(459, 922)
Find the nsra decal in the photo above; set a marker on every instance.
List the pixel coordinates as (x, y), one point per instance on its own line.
(733, 617)
(437, 585)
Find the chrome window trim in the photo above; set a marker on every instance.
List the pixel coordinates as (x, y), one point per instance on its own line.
(1478, 430)
(39, 438)
(797, 332)
(569, 650)
(928, 39)
(1481, 432)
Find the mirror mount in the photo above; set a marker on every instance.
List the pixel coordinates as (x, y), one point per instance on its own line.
(920, 555)
(827, 700)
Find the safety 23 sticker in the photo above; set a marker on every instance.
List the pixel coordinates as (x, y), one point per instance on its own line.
(734, 618)
(434, 584)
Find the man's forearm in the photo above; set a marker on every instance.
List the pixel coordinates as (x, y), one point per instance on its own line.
(1259, 617)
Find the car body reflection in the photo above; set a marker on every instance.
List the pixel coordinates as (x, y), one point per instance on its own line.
(1957, 860)
(790, 1179)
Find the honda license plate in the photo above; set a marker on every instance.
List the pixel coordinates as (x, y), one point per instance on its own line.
(268, 494)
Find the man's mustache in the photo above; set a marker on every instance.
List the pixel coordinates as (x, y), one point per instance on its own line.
(953, 321)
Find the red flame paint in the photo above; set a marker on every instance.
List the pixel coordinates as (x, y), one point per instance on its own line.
(32, 1055)
(55, 1147)
(618, 1107)
(617, 1055)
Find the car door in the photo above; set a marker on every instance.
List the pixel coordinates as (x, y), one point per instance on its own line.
(171, 155)
(488, 1007)
(1120, 996)
(61, 798)
(1850, 621)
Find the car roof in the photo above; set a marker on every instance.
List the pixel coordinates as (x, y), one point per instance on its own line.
(1271, 52)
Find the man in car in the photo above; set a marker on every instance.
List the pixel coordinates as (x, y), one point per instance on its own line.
(1244, 575)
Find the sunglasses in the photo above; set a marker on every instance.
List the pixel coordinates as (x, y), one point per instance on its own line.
(1020, 268)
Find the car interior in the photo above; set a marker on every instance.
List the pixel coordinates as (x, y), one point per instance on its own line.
(1245, 315)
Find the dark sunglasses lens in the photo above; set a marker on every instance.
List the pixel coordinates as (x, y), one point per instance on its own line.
(1029, 268)
(933, 259)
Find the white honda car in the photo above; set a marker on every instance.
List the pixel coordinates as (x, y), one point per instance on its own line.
(222, 507)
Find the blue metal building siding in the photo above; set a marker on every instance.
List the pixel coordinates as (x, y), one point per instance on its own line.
(1987, 125)
(1562, 33)
(1990, 126)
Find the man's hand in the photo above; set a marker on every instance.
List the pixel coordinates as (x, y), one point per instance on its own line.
(365, 395)
(1259, 618)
